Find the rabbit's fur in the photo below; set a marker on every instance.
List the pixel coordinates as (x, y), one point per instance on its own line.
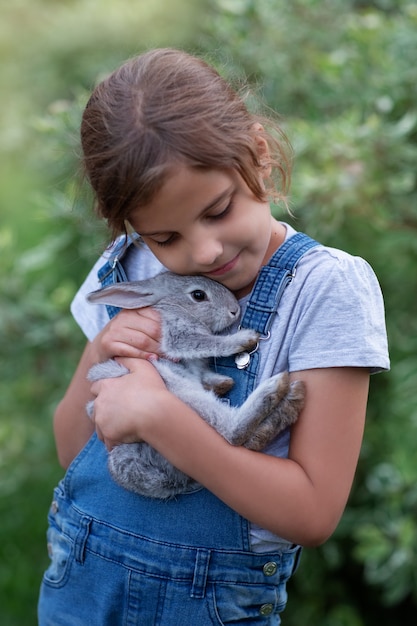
(193, 310)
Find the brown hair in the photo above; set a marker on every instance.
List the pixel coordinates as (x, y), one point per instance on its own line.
(165, 107)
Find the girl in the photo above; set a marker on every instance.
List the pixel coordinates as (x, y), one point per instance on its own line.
(172, 152)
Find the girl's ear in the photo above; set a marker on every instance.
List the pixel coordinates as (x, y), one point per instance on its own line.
(263, 150)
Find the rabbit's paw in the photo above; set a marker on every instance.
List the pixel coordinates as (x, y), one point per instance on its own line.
(246, 339)
(218, 383)
(274, 390)
(283, 398)
(282, 407)
(221, 386)
(296, 395)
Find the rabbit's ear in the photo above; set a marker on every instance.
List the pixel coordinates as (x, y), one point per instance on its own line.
(133, 295)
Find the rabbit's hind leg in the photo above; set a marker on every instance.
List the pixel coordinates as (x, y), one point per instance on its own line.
(273, 406)
(281, 416)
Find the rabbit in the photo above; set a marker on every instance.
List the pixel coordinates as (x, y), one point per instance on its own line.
(193, 310)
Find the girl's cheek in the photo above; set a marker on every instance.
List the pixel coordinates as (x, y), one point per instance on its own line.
(174, 262)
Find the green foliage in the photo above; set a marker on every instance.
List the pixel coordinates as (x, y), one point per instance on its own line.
(39, 345)
(49, 238)
(343, 75)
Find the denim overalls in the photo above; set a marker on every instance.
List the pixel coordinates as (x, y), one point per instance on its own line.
(120, 559)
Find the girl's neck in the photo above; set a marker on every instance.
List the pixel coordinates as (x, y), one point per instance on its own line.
(278, 234)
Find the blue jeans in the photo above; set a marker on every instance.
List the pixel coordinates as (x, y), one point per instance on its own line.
(148, 562)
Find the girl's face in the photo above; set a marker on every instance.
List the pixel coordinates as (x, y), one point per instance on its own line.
(208, 222)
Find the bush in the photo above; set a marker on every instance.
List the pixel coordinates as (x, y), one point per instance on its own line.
(343, 76)
(48, 240)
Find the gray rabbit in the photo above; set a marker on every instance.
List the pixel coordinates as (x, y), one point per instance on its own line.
(193, 310)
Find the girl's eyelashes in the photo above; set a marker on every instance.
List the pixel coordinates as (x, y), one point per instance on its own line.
(223, 213)
(167, 242)
(216, 216)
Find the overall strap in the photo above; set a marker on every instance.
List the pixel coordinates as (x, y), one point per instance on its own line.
(260, 312)
(112, 271)
(272, 281)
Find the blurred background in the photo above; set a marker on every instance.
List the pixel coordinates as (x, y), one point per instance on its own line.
(343, 75)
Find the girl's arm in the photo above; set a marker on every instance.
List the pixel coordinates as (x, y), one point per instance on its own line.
(300, 498)
(72, 427)
(129, 334)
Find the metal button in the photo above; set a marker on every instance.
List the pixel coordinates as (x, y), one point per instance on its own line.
(242, 360)
(266, 609)
(270, 568)
(54, 507)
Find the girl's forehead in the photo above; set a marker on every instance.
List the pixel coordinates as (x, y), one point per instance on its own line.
(187, 192)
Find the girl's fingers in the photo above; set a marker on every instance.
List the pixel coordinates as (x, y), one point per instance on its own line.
(119, 410)
(134, 333)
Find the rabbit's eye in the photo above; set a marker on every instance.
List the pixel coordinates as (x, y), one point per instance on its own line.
(199, 295)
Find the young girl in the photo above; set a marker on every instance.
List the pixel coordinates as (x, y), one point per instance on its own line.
(172, 152)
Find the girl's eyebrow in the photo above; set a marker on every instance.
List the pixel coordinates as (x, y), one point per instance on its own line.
(222, 196)
(217, 200)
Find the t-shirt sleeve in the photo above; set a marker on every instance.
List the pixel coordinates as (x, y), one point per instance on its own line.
(340, 319)
(90, 318)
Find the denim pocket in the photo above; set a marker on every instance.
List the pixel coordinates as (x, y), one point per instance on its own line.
(248, 604)
(59, 550)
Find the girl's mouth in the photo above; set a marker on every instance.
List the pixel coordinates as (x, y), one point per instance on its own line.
(224, 268)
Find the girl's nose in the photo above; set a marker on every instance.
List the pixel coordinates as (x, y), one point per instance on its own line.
(206, 252)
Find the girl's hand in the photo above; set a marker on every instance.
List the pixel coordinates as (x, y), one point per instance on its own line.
(131, 333)
(124, 407)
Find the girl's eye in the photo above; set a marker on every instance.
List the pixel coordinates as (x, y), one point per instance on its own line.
(215, 216)
(167, 242)
(222, 214)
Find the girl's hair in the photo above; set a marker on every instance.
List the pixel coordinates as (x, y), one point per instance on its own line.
(166, 107)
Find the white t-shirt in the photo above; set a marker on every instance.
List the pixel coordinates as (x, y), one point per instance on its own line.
(330, 315)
